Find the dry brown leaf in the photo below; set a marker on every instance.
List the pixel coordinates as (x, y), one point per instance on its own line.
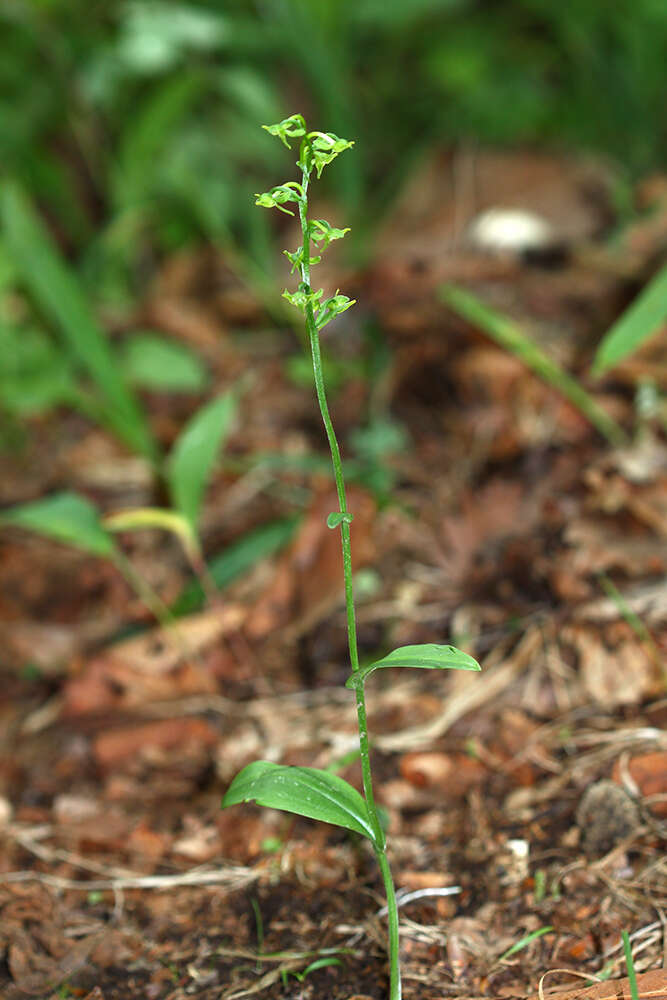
(116, 745)
(486, 516)
(599, 545)
(650, 986)
(160, 665)
(648, 773)
(623, 675)
(451, 775)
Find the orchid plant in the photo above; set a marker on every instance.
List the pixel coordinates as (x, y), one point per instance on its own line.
(308, 791)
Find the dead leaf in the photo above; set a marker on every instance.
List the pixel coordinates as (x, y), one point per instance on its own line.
(648, 772)
(451, 775)
(650, 986)
(159, 665)
(623, 675)
(117, 745)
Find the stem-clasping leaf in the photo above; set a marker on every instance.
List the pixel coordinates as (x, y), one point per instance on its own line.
(428, 656)
(337, 517)
(306, 791)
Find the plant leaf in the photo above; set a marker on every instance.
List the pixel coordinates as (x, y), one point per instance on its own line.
(193, 457)
(138, 518)
(337, 517)
(525, 941)
(428, 656)
(305, 791)
(57, 292)
(512, 338)
(149, 130)
(640, 321)
(67, 517)
(237, 559)
(153, 362)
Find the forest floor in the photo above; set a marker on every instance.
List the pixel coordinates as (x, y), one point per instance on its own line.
(487, 512)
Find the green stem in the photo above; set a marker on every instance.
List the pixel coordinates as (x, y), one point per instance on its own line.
(142, 589)
(392, 918)
(311, 327)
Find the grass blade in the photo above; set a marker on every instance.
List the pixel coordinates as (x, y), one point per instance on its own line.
(639, 322)
(58, 294)
(630, 965)
(510, 336)
(525, 941)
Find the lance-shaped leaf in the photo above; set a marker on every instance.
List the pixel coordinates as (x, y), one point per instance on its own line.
(428, 656)
(305, 791)
(640, 321)
(66, 517)
(193, 457)
(55, 288)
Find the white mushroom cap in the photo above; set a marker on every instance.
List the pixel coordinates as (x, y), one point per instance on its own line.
(511, 230)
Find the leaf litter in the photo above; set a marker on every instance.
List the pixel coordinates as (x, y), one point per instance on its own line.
(514, 532)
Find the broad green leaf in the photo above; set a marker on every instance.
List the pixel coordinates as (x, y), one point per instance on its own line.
(67, 517)
(639, 322)
(56, 291)
(305, 791)
(153, 362)
(513, 339)
(193, 457)
(428, 656)
(139, 518)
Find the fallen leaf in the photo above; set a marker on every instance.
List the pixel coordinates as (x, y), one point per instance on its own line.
(117, 745)
(648, 772)
(451, 775)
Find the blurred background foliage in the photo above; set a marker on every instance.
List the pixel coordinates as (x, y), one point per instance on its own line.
(134, 125)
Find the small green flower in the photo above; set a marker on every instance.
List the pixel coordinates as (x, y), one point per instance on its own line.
(289, 128)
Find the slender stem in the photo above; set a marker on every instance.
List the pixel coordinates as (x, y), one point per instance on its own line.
(311, 326)
(143, 589)
(392, 918)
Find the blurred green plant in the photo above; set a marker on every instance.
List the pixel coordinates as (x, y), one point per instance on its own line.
(58, 294)
(72, 519)
(640, 321)
(130, 122)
